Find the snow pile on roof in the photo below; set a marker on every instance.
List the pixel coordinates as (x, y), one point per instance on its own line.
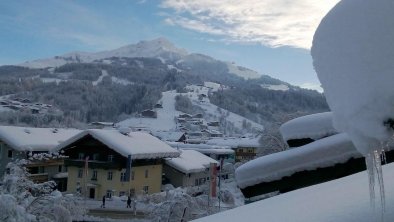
(202, 148)
(190, 161)
(235, 142)
(322, 153)
(313, 126)
(168, 135)
(35, 139)
(353, 56)
(137, 144)
(342, 200)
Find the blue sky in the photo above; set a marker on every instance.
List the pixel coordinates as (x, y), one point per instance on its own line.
(271, 36)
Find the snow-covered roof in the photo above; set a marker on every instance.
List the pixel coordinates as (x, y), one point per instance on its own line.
(137, 144)
(190, 161)
(313, 126)
(203, 148)
(168, 135)
(322, 153)
(35, 139)
(235, 142)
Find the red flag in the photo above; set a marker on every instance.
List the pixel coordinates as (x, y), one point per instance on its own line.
(213, 175)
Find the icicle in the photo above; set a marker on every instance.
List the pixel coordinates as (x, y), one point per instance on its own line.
(375, 175)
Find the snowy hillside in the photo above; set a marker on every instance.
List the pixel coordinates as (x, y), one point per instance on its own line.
(213, 110)
(242, 71)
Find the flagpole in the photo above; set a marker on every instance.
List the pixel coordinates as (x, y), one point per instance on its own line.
(220, 177)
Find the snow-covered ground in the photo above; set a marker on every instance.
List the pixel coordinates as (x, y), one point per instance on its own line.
(104, 73)
(124, 82)
(242, 71)
(281, 87)
(342, 200)
(48, 80)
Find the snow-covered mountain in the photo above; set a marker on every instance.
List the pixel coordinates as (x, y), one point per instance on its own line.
(159, 48)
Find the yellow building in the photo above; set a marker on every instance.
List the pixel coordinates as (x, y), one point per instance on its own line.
(98, 162)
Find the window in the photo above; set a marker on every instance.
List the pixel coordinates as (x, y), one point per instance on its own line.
(41, 169)
(146, 173)
(132, 175)
(94, 176)
(80, 173)
(109, 194)
(198, 182)
(81, 156)
(110, 158)
(95, 156)
(109, 175)
(145, 189)
(122, 193)
(122, 177)
(10, 153)
(60, 168)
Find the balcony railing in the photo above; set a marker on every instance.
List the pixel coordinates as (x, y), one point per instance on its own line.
(93, 164)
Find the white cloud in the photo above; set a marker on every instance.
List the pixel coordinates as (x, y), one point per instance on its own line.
(272, 23)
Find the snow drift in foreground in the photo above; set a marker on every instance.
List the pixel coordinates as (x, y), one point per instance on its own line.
(353, 56)
(342, 200)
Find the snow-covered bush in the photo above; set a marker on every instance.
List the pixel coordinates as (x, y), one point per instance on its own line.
(23, 200)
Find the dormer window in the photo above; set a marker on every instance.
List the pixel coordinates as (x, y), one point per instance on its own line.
(110, 158)
(95, 156)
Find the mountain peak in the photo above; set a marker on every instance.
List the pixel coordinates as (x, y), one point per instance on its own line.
(160, 44)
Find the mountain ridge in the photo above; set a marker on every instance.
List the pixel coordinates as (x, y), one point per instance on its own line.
(159, 48)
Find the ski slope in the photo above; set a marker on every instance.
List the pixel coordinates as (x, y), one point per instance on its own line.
(165, 116)
(165, 120)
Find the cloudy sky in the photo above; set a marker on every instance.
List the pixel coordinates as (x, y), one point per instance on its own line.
(271, 36)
